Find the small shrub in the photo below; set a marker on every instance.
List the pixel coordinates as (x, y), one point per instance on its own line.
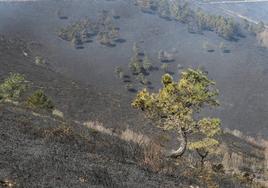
(153, 157)
(13, 86)
(135, 66)
(165, 56)
(40, 100)
(208, 47)
(164, 67)
(39, 60)
(130, 87)
(141, 78)
(119, 72)
(104, 39)
(147, 65)
(223, 48)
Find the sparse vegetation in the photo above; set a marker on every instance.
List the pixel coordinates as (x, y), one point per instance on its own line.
(130, 87)
(142, 79)
(13, 86)
(104, 39)
(208, 47)
(119, 72)
(164, 56)
(223, 48)
(197, 20)
(36, 137)
(39, 100)
(84, 30)
(164, 67)
(40, 60)
(147, 65)
(135, 66)
(136, 49)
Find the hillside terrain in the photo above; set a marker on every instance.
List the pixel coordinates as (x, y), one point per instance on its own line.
(73, 124)
(42, 150)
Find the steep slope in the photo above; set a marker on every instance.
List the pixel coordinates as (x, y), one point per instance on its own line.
(42, 150)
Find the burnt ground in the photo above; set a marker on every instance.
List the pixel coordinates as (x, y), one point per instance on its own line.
(41, 150)
(240, 75)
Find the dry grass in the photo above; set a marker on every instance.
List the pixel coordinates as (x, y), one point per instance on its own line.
(251, 140)
(131, 136)
(232, 162)
(57, 113)
(95, 125)
(153, 157)
(265, 144)
(152, 153)
(263, 38)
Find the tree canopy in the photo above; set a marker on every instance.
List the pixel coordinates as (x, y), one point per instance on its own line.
(175, 105)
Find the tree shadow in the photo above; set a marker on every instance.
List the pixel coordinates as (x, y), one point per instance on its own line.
(120, 40)
(168, 60)
(63, 17)
(211, 50)
(79, 47)
(110, 45)
(167, 18)
(226, 51)
(88, 41)
(116, 17)
(148, 11)
(132, 90)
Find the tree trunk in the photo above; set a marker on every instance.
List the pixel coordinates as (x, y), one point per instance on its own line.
(203, 154)
(183, 144)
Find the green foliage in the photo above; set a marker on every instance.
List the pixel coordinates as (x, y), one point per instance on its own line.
(13, 86)
(181, 11)
(130, 87)
(209, 128)
(147, 65)
(175, 105)
(224, 27)
(163, 8)
(114, 33)
(71, 31)
(135, 65)
(164, 67)
(104, 38)
(84, 30)
(141, 78)
(39, 100)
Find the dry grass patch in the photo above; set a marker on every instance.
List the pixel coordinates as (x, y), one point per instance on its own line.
(131, 136)
(95, 125)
